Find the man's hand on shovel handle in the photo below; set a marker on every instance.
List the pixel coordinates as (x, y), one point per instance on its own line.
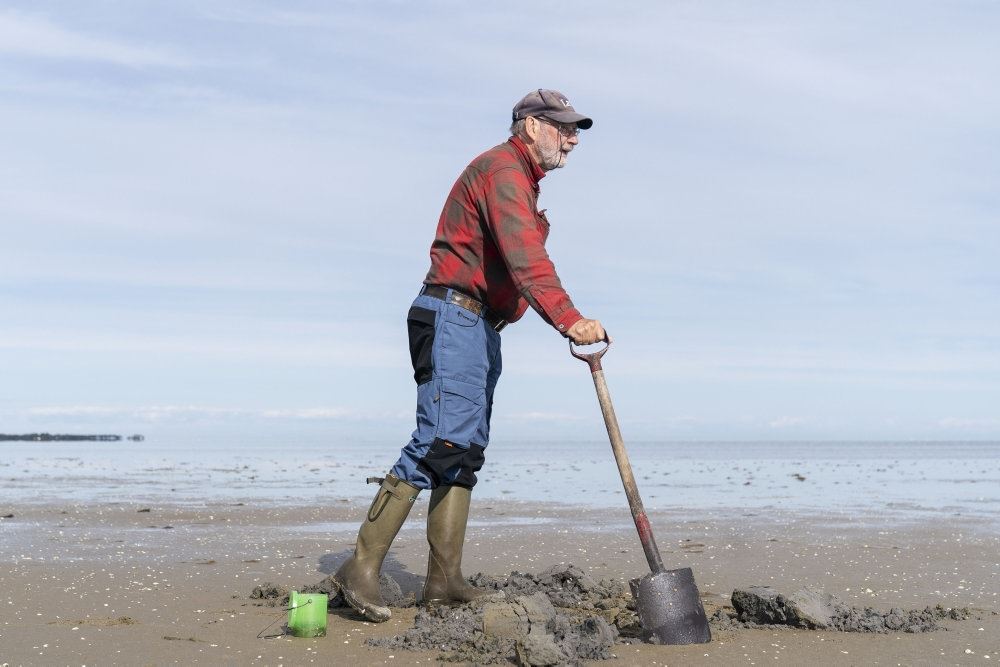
(587, 332)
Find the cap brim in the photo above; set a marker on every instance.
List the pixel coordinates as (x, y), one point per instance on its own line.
(569, 117)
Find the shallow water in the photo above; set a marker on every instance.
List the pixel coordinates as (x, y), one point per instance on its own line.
(898, 478)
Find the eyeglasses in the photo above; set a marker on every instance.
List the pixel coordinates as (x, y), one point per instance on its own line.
(565, 130)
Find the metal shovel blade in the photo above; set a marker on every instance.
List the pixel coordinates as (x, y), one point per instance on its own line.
(670, 609)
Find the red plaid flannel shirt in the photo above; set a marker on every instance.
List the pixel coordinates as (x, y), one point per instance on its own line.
(490, 241)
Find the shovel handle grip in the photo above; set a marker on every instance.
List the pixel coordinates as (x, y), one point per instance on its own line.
(593, 359)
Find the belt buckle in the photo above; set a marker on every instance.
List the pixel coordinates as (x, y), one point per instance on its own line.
(463, 301)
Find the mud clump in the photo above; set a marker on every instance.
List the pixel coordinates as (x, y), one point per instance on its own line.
(272, 595)
(927, 619)
(561, 616)
(454, 630)
(806, 608)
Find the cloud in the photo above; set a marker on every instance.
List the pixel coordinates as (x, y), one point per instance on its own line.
(35, 37)
(72, 411)
(325, 344)
(966, 424)
(188, 413)
(538, 416)
(149, 413)
(786, 422)
(339, 413)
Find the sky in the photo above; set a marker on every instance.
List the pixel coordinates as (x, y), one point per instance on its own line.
(215, 214)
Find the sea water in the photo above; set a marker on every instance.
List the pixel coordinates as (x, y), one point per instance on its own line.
(905, 478)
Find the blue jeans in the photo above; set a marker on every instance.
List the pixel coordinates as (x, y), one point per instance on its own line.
(456, 364)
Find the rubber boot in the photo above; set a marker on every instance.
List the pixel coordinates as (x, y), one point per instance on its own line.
(358, 577)
(446, 519)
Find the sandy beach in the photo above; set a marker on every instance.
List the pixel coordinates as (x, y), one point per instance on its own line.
(111, 583)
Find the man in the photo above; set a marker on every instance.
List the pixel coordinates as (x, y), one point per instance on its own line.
(488, 264)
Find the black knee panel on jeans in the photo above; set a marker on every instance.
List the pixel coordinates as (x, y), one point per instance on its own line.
(442, 458)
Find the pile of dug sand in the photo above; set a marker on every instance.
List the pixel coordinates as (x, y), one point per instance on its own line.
(758, 606)
(561, 616)
(564, 616)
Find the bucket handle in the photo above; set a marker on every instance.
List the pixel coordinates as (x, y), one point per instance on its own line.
(260, 635)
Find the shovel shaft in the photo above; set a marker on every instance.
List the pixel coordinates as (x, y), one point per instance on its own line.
(625, 470)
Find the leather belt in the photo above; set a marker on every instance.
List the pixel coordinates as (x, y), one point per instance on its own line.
(467, 302)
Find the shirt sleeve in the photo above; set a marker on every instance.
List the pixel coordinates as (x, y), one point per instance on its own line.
(511, 218)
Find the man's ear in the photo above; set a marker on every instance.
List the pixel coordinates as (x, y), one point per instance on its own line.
(531, 127)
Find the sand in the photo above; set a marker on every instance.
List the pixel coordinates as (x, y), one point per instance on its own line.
(112, 584)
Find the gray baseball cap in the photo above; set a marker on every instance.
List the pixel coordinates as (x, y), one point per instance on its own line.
(550, 104)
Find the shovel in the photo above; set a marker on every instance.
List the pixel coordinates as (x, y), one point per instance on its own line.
(670, 609)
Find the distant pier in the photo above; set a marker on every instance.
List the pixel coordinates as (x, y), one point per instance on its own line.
(67, 437)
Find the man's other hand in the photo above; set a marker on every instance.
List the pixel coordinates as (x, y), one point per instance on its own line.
(587, 332)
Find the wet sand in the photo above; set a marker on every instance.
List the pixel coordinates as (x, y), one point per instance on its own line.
(111, 584)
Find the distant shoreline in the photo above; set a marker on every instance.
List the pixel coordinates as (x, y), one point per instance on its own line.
(67, 437)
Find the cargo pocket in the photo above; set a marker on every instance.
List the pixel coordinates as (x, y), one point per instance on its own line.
(460, 348)
(463, 407)
(420, 327)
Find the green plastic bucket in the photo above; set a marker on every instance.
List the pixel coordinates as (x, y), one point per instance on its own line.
(307, 614)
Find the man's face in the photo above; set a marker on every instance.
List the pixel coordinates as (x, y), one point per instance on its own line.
(553, 142)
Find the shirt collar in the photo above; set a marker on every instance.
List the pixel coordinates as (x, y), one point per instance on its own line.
(535, 172)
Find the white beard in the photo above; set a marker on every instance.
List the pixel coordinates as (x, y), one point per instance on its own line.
(550, 154)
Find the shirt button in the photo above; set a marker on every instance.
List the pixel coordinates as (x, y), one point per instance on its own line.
(562, 326)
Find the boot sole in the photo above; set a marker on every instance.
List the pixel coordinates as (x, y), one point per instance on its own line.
(371, 612)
